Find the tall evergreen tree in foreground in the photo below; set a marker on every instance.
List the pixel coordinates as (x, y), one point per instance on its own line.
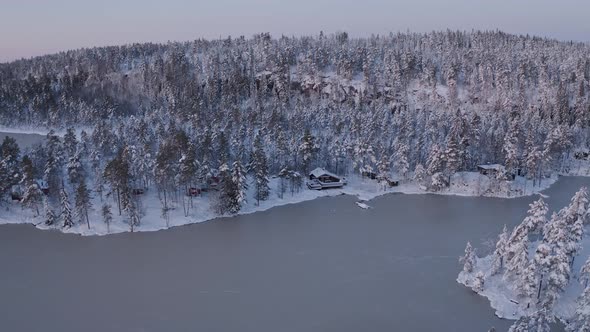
(83, 203)
(107, 216)
(66, 211)
(259, 166)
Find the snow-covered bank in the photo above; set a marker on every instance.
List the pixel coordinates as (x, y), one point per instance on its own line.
(462, 184)
(538, 270)
(503, 295)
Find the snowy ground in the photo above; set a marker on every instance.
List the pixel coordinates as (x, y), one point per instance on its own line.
(464, 184)
(502, 295)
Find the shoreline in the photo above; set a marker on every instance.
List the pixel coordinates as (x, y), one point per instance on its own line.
(364, 190)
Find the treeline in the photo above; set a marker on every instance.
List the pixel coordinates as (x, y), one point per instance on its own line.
(420, 106)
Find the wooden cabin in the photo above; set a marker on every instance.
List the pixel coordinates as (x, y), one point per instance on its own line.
(319, 179)
(491, 169)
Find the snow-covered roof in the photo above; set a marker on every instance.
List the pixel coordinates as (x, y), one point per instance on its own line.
(496, 167)
(320, 171)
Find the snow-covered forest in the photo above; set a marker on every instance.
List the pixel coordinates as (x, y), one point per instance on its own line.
(540, 270)
(233, 113)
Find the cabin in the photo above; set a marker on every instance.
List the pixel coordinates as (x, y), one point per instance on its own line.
(43, 186)
(491, 170)
(499, 172)
(582, 155)
(138, 191)
(319, 179)
(193, 192)
(16, 193)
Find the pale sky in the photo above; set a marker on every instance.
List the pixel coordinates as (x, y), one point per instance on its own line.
(36, 27)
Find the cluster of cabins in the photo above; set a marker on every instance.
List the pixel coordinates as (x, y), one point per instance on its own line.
(320, 179)
(17, 191)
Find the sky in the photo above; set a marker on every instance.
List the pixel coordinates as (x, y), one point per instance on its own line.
(36, 27)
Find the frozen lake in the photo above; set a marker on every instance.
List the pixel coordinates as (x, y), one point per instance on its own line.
(23, 140)
(323, 265)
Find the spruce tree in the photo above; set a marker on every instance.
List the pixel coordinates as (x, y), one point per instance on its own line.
(259, 167)
(498, 262)
(468, 259)
(66, 211)
(83, 203)
(107, 216)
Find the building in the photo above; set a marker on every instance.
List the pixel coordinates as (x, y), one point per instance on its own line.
(491, 170)
(319, 179)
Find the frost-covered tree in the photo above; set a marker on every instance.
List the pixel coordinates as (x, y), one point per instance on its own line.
(32, 196)
(526, 285)
(536, 217)
(539, 321)
(585, 273)
(82, 202)
(259, 166)
(66, 211)
(419, 174)
(49, 214)
(498, 262)
(468, 259)
(240, 184)
(519, 259)
(307, 149)
(107, 216)
(580, 322)
(478, 282)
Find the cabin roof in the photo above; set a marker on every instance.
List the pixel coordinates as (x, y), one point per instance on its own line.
(320, 171)
(495, 167)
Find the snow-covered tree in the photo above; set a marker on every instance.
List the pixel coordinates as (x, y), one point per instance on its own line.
(107, 216)
(498, 262)
(419, 174)
(83, 203)
(468, 259)
(66, 211)
(519, 259)
(49, 214)
(585, 273)
(240, 184)
(478, 282)
(580, 322)
(259, 166)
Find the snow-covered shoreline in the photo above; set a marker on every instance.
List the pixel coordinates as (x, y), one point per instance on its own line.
(503, 295)
(468, 184)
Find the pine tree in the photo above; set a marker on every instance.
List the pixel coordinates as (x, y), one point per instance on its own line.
(478, 282)
(66, 211)
(526, 285)
(238, 177)
(419, 174)
(83, 204)
(9, 166)
(49, 215)
(32, 195)
(498, 262)
(133, 214)
(536, 217)
(519, 260)
(585, 273)
(307, 149)
(580, 322)
(259, 166)
(468, 259)
(107, 216)
(70, 143)
(575, 216)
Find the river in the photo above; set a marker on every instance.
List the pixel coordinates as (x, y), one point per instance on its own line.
(322, 265)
